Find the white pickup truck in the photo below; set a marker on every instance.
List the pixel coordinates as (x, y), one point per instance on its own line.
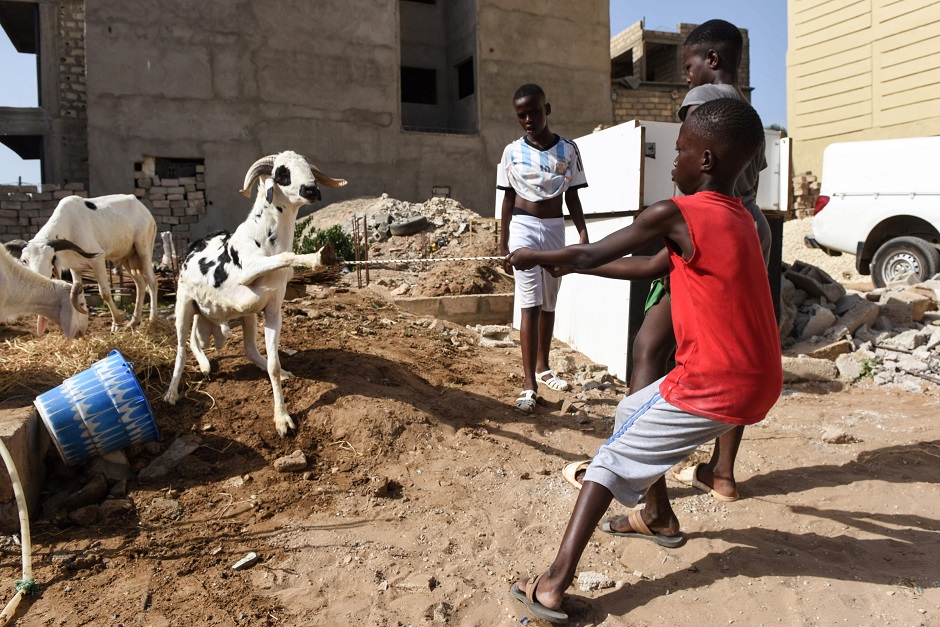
(880, 201)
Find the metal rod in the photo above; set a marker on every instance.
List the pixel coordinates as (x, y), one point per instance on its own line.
(365, 245)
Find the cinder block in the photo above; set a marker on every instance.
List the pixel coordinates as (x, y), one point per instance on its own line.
(28, 441)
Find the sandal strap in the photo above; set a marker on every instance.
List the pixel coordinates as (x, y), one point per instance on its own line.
(636, 521)
(532, 585)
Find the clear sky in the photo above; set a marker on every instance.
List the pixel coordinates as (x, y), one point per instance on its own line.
(765, 20)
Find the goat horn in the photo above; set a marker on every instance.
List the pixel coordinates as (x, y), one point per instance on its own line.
(322, 178)
(264, 165)
(74, 294)
(64, 244)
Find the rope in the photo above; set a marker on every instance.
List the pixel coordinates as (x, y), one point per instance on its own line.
(427, 260)
(27, 586)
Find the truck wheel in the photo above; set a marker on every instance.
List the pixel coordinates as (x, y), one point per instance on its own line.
(904, 255)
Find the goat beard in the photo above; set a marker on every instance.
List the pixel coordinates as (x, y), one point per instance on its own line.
(41, 323)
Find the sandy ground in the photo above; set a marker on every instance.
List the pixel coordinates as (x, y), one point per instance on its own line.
(426, 495)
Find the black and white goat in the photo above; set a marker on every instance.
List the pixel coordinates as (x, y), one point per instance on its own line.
(23, 291)
(83, 233)
(228, 276)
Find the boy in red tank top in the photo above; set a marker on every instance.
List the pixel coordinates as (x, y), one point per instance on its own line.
(728, 368)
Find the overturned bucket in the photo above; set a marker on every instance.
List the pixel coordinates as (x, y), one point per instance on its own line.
(97, 411)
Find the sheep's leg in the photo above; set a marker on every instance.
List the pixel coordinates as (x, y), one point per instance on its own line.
(202, 331)
(139, 287)
(272, 336)
(266, 265)
(185, 312)
(100, 270)
(149, 278)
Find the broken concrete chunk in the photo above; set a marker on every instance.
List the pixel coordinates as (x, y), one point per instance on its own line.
(803, 368)
(246, 562)
(862, 312)
(295, 462)
(814, 281)
(162, 465)
(820, 319)
(902, 307)
(588, 581)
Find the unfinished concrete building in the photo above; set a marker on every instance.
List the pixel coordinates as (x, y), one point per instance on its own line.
(647, 81)
(176, 99)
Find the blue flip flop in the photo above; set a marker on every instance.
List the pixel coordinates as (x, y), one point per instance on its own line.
(533, 606)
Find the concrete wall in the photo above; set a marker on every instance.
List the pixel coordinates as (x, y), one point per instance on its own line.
(231, 82)
(859, 71)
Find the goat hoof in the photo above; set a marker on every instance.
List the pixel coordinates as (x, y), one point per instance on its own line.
(171, 397)
(285, 428)
(286, 375)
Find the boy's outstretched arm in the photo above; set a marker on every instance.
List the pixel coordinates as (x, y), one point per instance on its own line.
(662, 219)
(633, 268)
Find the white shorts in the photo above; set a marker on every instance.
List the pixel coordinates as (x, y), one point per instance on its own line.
(536, 287)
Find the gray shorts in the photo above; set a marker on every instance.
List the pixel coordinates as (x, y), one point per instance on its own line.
(650, 437)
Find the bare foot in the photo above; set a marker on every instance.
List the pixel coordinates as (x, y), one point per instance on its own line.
(724, 486)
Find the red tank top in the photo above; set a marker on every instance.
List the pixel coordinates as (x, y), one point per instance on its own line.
(728, 364)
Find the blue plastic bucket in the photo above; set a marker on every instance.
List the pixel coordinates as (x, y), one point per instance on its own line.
(97, 411)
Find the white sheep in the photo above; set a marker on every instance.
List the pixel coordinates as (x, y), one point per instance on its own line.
(23, 291)
(83, 233)
(228, 276)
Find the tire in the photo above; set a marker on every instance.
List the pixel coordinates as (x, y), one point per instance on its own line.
(409, 226)
(903, 255)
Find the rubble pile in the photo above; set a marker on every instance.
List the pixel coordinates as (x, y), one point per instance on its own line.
(890, 335)
(445, 219)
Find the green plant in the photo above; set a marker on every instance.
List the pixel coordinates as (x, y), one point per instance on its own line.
(869, 367)
(342, 242)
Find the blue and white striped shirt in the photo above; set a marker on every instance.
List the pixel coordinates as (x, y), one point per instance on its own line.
(539, 174)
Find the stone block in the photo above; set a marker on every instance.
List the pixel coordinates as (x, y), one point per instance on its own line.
(803, 368)
(819, 321)
(864, 312)
(28, 441)
(904, 307)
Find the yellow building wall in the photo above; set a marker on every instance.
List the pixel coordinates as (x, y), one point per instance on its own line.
(859, 70)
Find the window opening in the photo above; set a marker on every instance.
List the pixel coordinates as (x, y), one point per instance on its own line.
(19, 51)
(418, 85)
(465, 81)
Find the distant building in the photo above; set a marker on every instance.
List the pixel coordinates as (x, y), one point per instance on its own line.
(175, 99)
(647, 80)
(860, 71)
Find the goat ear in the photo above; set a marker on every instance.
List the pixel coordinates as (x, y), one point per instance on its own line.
(15, 247)
(322, 178)
(64, 244)
(263, 166)
(269, 190)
